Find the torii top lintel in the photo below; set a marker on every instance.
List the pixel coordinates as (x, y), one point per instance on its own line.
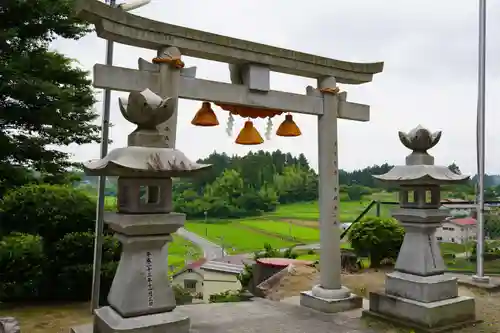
(122, 27)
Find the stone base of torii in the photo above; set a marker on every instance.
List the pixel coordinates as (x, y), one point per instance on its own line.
(250, 66)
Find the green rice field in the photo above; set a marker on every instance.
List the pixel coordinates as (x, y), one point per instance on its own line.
(235, 239)
(349, 210)
(300, 233)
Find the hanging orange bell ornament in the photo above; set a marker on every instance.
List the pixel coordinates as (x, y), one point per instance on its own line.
(249, 135)
(205, 116)
(288, 127)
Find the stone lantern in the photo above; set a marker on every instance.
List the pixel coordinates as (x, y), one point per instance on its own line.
(418, 293)
(141, 298)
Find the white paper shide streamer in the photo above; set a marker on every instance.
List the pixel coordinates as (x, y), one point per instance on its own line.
(269, 128)
(230, 124)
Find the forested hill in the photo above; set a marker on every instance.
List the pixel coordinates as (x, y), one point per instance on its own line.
(257, 168)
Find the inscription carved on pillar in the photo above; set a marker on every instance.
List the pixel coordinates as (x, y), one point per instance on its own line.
(149, 278)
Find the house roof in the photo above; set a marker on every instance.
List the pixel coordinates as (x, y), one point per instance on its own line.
(212, 265)
(222, 267)
(464, 221)
(237, 259)
(193, 265)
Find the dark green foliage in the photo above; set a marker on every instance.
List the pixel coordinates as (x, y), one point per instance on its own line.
(490, 253)
(50, 211)
(45, 99)
(355, 192)
(246, 276)
(22, 262)
(492, 223)
(71, 266)
(57, 265)
(378, 238)
(364, 176)
(74, 283)
(227, 196)
(77, 247)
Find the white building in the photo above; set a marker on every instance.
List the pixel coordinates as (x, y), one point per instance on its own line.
(209, 277)
(458, 231)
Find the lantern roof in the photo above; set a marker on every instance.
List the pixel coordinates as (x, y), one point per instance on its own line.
(144, 162)
(419, 168)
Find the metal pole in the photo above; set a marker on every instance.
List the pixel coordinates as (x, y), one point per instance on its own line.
(481, 141)
(99, 225)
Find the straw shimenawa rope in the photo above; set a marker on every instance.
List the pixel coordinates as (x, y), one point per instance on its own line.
(333, 91)
(174, 62)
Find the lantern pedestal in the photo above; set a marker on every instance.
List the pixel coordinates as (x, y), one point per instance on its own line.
(432, 317)
(141, 298)
(108, 320)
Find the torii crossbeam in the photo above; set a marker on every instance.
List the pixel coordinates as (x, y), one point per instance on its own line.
(250, 65)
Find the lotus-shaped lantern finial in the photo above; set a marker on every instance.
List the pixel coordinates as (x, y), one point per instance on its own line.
(146, 109)
(419, 139)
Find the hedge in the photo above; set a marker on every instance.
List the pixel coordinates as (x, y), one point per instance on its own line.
(47, 245)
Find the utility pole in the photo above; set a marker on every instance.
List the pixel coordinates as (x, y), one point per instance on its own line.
(479, 277)
(206, 228)
(222, 245)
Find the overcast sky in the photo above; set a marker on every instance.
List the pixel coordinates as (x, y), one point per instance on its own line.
(430, 77)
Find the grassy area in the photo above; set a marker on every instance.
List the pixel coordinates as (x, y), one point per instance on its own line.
(466, 265)
(180, 250)
(385, 196)
(349, 210)
(110, 204)
(454, 248)
(235, 239)
(54, 318)
(300, 233)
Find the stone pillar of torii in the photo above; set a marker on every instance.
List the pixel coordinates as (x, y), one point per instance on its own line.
(250, 66)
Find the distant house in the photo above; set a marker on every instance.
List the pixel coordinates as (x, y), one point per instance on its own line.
(209, 277)
(459, 230)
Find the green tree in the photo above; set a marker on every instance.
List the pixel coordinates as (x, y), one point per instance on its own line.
(356, 192)
(229, 186)
(296, 184)
(45, 100)
(490, 194)
(492, 223)
(378, 238)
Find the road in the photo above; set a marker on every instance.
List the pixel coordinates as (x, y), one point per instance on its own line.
(210, 250)
(307, 247)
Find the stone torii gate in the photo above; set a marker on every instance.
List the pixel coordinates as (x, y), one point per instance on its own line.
(250, 65)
